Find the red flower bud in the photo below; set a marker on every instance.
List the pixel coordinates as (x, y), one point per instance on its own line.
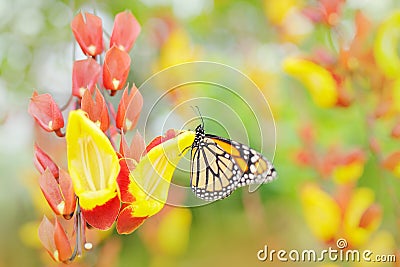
(85, 74)
(43, 161)
(55, 240)
(327, 12)
(392, 162)
(129, 109)
(60, 195)
(136, 150)
(97, 111)
(370, 215)
(46, 112)
(88, 33)
(125, 31)
(115, 68)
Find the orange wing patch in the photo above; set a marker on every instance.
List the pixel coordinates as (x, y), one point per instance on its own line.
(234, 152)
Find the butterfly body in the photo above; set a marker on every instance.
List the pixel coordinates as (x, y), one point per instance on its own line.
(219, 166)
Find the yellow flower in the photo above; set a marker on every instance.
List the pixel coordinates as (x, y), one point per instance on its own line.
(350, 168)
(321, 211)
(381, 243)
(277, 11)
(173, 231)
(348, 173)
(152, 176)
(92, 162)
(177, 49)
(386, 44)
(144, 193)
(315, 78)
(360, 203)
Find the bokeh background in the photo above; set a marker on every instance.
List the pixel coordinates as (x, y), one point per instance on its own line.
(329, 70)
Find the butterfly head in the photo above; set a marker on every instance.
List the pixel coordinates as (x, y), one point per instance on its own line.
(199, 135)
(200, 130)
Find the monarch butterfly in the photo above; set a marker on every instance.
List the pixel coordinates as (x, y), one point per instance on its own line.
(219, 166)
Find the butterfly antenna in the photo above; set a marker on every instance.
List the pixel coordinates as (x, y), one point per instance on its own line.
(198, 111)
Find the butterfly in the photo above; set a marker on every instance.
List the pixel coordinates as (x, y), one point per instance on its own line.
(218, 166)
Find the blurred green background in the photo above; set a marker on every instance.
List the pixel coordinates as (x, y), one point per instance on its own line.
(37, 51)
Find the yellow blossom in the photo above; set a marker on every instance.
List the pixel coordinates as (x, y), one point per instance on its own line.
(386, 45)
(152, 176)
(361, 200)
(348, 173)
(315, 78)
(321, 211)
(92, 162)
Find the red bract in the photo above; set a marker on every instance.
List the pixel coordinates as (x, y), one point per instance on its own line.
(136, 150)
(161, 139)
(103, 217)
(55, 240)
(115, 68)
(45, 111)
(125, 31)
(123, 181)
(96, 110)
(43, 161)
(88, 33)
(129, 109)
(59, 194)
(126, 224)
(85, 74)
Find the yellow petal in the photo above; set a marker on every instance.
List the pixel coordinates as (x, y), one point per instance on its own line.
(315, 78)
(173, 232)
(276, 11)
(321, 211)
(360, 201)
(382, 243)
(177, 49)
(152, 176)
(386, 44)
(348, 173)
(92, 161)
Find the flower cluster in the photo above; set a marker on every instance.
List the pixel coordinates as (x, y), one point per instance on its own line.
(357, 73)
(346, 210)
(104, 183)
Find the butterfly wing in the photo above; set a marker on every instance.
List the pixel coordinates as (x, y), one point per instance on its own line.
(255, 168)
(219, 166)
(213, 171)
